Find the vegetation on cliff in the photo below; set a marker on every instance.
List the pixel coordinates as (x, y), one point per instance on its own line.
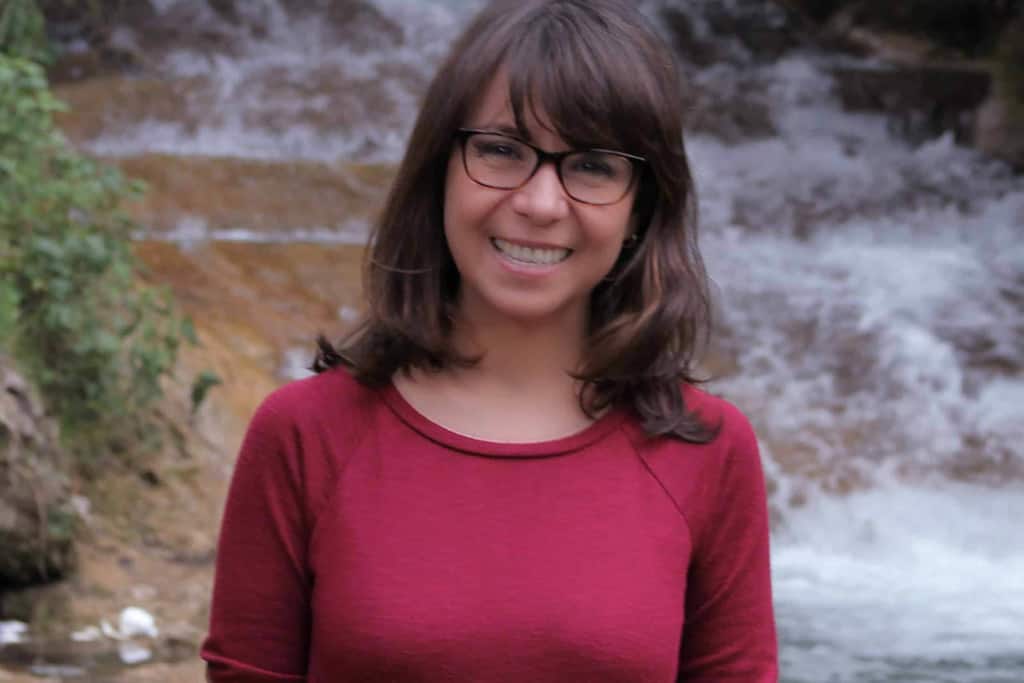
(73, 312)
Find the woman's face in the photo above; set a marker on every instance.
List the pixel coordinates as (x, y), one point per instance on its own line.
(530, 255)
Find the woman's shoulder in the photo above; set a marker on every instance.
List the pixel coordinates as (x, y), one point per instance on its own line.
(330, 396)
(719, 413)
(680, 464)
(698, 476)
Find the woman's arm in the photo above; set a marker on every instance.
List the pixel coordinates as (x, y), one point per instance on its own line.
(729, 632)
(260, 614)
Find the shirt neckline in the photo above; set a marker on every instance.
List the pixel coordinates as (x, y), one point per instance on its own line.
(472, 445)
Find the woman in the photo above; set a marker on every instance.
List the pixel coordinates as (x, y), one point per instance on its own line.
(506, 473)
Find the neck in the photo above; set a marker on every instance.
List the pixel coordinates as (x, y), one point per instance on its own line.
(519, 356)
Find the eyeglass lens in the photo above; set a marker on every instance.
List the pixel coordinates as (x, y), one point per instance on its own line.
(506, 163)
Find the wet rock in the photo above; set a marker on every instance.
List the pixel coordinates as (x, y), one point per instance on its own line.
(729, 106)
(927, 100)
(966, 26)
(732, 120)
(999, 133)
(731, 114)
(819, 10)
(255, 302)
(276, 110)
(257, 198)
(763, 27)
(690, 47)
(116, 102)
(36, 519)
(226, 10)
(932, 84)
(999, 128)
(732, 32)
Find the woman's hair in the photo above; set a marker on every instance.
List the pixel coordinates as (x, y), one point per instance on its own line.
(603, 78)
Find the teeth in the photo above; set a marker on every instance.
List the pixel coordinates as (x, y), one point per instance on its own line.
(544, 257)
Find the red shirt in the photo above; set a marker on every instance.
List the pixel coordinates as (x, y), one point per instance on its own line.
(362, 542)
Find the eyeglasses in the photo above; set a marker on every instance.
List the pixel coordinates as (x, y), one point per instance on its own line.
(591, 176)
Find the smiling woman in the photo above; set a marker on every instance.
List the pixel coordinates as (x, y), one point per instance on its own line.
(528, 250)
(506, 472)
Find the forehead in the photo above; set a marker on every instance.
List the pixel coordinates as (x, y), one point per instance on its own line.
(493, 110)
(590, 71)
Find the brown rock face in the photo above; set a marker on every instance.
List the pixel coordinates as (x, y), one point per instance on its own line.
(967, 26)
(926, 99)
(1000, 123)
(36, 523)
(260, 196)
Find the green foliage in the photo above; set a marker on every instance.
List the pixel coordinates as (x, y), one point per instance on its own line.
(23, 31)
(205, 381)
(75, 316)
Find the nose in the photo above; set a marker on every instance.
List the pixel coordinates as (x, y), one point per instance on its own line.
(542, 199)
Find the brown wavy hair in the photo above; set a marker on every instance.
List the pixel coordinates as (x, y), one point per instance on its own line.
(603, 78)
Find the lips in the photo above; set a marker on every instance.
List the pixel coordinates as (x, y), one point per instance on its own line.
(538, 256)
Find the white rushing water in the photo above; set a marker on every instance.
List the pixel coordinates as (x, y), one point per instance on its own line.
(871, 290)
(902, 583)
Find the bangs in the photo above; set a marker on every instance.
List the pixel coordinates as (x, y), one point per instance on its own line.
(571, 73)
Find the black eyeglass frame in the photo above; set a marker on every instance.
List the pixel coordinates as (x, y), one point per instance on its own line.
(463, 134)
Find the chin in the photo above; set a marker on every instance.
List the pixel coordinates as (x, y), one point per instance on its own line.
(535, 312)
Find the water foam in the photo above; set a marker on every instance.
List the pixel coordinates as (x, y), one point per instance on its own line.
(898, 581)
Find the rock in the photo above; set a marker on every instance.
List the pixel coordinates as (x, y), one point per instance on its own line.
(730, 114)
(1000, 134)
(999, 128)
(968, 26)
(98, 105)
(762, 29)
(36, 519)
(927, 99)
(819, 10)
(928, 85)
(691, 48)
(343, 109)
(262, 198)
(964, 26)
(762, 26)
(732, 109)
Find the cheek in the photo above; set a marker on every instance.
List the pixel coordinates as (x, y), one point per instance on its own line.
(611, 229)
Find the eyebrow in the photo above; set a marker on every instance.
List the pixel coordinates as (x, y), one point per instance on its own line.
(506, 129)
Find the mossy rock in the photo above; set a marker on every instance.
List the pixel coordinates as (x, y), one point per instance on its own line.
(37, 524)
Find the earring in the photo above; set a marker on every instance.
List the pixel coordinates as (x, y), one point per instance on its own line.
(631, 240)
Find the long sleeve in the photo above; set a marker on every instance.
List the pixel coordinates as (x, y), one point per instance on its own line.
(260, 614)
(729, 632)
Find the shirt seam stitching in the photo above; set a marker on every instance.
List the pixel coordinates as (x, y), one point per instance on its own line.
(664, 487)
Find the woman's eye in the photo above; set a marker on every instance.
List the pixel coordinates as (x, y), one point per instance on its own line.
(498, 150)
(594, 166)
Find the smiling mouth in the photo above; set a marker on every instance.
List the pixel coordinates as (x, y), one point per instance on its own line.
(531, 255)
